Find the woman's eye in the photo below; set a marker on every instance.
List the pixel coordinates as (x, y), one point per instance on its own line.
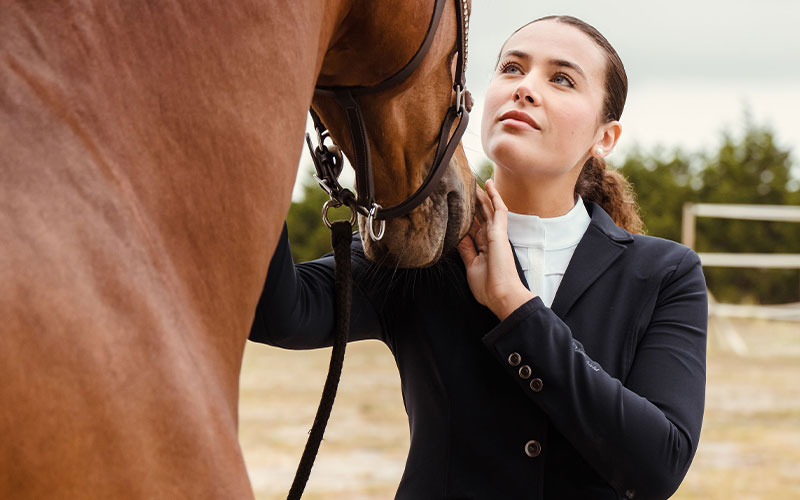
(562, 79)
(509, 68)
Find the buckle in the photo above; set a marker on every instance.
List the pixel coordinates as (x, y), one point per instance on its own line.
(461, 99)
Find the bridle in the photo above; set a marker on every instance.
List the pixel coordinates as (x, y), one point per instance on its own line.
(328, 163)
(328, 160)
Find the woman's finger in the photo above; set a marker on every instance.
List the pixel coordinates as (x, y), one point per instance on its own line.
(478, 233)
(479, 210)
(475, 227)
(484, 206)
(500, 216)
(494, 196)
(466, 248)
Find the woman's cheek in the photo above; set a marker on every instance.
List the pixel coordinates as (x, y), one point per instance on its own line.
(575, 123)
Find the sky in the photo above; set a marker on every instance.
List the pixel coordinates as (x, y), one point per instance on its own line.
(695, 68)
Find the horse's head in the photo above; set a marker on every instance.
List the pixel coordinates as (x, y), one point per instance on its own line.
(403, 125)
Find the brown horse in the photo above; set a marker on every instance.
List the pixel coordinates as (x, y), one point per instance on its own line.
(147, 156)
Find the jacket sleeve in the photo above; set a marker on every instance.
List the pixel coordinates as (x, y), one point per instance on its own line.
(641, 436)
(296, 308)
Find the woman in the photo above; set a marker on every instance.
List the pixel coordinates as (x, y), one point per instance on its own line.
(576, 371)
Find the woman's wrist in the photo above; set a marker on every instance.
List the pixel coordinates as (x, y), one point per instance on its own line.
(502, 307)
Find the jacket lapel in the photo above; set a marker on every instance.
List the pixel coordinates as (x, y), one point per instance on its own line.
(601, 245)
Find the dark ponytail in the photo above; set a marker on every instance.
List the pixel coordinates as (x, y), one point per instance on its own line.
(610, 190)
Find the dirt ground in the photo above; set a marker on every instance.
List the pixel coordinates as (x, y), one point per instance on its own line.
(749, 447)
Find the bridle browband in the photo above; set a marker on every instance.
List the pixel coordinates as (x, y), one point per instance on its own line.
(328, 160)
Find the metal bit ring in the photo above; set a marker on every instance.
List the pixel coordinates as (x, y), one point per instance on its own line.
(370, 223)
(335, 204)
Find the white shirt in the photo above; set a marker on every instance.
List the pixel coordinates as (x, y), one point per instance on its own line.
(544, 247)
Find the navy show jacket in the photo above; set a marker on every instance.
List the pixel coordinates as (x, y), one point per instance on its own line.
(599, 397)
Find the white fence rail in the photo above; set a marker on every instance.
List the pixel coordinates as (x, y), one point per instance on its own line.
(751, 260)
(779, 213)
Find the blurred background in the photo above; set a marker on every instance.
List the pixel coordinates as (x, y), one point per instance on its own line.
(711, 118)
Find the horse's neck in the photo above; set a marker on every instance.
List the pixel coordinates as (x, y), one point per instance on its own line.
(166, 138)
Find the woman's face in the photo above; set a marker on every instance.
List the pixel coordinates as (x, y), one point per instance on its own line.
(542, 113)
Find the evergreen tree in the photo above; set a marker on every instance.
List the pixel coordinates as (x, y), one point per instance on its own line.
(750, 170)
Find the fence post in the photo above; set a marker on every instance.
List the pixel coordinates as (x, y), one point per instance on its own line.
(688, 225)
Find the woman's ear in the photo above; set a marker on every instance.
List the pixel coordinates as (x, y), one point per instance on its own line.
(608, 136)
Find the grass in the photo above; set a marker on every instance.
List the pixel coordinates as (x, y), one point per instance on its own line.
(749, 447)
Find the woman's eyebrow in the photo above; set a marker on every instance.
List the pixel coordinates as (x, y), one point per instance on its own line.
(563, 63)
(515, 53)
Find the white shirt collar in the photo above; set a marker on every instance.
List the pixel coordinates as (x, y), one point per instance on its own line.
(550, 233)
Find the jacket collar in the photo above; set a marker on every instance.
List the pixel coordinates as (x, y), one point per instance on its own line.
(601, 245)
(605, 224)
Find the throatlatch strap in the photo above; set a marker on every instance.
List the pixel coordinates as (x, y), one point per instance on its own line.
(341, 236)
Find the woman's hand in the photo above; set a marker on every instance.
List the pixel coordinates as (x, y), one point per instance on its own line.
(491, 272)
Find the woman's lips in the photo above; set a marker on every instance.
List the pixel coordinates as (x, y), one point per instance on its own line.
(519, 119)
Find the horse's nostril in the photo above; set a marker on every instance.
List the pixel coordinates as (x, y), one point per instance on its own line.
(453, 198)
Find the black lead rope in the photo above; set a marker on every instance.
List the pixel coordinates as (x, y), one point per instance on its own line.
(341, 236)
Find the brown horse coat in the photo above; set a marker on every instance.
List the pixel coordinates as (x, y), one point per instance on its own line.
(147, 157)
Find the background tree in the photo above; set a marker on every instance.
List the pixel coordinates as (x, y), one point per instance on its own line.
(752, 169)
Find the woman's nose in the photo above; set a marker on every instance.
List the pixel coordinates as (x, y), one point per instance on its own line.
(528, 94)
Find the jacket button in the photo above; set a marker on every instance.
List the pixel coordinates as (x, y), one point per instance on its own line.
(533, 448)
(514, 359)
(525, 371)
(536, 384)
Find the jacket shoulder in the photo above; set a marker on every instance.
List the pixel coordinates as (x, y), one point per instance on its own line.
(661, 256)
(650, 246)
(647, 252)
